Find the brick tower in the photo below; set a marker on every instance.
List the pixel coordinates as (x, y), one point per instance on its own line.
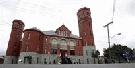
(86, 33)
(14, 43)
(85, 26)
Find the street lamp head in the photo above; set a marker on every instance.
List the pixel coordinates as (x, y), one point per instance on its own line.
(119, 34)
(115, 35)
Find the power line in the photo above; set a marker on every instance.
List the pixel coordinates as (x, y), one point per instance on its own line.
(114, 4)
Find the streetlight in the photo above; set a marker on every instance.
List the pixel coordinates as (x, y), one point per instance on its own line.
(115, 35)
(107, 25)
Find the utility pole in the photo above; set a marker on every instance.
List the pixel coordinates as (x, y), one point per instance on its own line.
(107, 26)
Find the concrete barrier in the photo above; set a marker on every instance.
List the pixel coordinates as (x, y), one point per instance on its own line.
(131, 65)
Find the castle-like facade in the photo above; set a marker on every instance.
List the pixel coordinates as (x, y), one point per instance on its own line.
(33, 46)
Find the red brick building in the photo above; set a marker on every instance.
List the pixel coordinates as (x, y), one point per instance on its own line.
(44, 47)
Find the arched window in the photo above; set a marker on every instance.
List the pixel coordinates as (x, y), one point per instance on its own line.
(54, 43)
(27, 59)
(72, 45)
(54, 46)
(63, 44)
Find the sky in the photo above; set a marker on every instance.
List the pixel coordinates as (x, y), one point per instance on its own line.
(51, 14)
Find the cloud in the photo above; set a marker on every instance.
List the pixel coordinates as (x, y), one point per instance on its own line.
(2, 52)
(9, 4)
(131, 8)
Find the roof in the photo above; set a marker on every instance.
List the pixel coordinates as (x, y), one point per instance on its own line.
(18, 21)
(63, 27)
(84, 8)
(34, 29)
(51, 32)
(74, 36)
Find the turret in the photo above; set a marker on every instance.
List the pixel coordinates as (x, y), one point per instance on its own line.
(14, 43)
(85, 26)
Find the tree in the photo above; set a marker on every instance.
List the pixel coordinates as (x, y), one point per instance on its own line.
(119, 53)
(95, 54)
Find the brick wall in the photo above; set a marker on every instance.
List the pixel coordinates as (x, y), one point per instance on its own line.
(14, 43)
(32, 41)
(85, 26)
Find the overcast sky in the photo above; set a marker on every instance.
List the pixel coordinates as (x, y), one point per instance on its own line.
(44, 14)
